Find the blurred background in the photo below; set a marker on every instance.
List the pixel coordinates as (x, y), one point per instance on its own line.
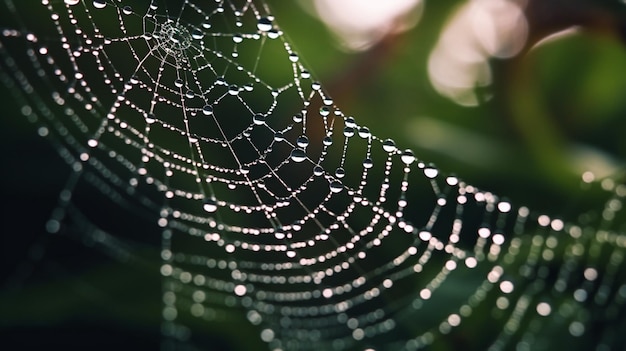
(524, 98)
(518, 97)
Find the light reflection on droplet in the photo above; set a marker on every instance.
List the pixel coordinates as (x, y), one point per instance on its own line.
(99, 4)
(544, 309)
(267, 335)
(506, 287)
(240, 290)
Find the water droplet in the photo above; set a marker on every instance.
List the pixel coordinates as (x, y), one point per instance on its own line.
(364, 132)
(99, 4)
(258, 119)
(237, 38)
(150, 118)
(197, 34)
(318, 171)
(350, 122)
(504, 206)
(324, 111)
(340, 172)
(328, 141)
(240, 290)
(207, 110)
(264, 24)
(189, 94)
(273, 34)
(452, 180)
(127, 10)
(368, 163)
(302, 141)
(297, 117)
(248, 87)
(220, 81)
(408, 157)
(298, 155)
(348, 132)
(305, 74)
(233, 90)
(72, 2)
(293, 57)
(244, 169)
(389, 146)
(278, 136)
(431, 171)
(316, 86)
(336, 186)
(206, 24)
(267, 335)
(178, 82)
(210, 205)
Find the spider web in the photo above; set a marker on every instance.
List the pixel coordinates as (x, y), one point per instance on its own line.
(194, 127)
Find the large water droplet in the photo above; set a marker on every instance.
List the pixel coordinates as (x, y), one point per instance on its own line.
(99, 4)
(210, 205)
(431, 171)
(178, 82)
(340, 172)
(293, 57)
(150, 118)
(297, 117)
(237, 38)
(302, 141)
(368, 163)
(318, 171)
(407, 157)
(328, 141)
(197, 34)
(207, 110)
(72, 2)
(298, 155)
(389, 146)
(127, 10)
(258, 119)
(273, 33)
(364, 132)
(264, 24)
(336, 186)
(278, 137)
(350, 122)
(348, 132)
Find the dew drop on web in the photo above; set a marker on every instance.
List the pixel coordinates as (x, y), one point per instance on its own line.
(298, 155)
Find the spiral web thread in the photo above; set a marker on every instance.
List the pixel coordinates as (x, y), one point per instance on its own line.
(273, 204)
